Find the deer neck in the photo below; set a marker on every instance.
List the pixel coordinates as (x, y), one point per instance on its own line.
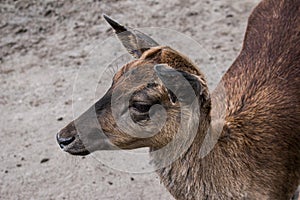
(186, 176)
(190, 175)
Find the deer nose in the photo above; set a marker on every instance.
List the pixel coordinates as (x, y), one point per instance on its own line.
(64, 141)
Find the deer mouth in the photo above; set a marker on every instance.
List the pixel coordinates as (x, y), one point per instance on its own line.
(83, 144)
(72, 145)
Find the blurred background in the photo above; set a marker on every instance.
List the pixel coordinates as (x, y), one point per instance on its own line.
(43, 44)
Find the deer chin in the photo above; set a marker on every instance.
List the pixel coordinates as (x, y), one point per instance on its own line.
(77, 152)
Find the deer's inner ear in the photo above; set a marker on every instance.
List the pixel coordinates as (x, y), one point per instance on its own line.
(172, 96)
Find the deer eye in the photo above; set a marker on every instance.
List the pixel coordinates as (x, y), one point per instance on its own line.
(141, 107)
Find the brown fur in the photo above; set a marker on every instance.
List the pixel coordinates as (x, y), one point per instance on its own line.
(257, 155)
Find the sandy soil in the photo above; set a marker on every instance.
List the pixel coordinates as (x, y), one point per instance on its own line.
(42, 47)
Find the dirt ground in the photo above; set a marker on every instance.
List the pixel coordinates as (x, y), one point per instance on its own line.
(43, 44)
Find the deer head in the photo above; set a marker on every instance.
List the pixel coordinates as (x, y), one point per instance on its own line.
(145, 103)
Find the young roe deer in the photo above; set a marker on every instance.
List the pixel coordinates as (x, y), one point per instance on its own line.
(256, 155)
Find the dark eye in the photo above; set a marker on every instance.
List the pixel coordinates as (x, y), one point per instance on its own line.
(141, 106)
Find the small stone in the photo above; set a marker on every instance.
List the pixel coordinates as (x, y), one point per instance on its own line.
(21, 30)
(48, 12)
(192, 13)
(60, 119)
(69, 102)
(217, 47)
(44, 160)
(18, 165)
(110, 183)
(132, 179)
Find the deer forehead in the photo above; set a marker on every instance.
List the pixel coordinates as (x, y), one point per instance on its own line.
(143, 67)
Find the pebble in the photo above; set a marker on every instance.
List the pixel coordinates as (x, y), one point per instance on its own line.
(44, 160)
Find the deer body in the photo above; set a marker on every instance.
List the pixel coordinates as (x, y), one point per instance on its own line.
(257, 154)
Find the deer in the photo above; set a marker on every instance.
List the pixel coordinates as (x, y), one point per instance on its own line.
(249, 124)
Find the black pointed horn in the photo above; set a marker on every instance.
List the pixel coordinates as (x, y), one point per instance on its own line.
(133, 40)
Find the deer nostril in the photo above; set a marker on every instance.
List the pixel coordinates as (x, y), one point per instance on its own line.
(64, 141)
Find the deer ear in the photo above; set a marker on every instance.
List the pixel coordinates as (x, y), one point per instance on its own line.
(185, 86)
(133, 40)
